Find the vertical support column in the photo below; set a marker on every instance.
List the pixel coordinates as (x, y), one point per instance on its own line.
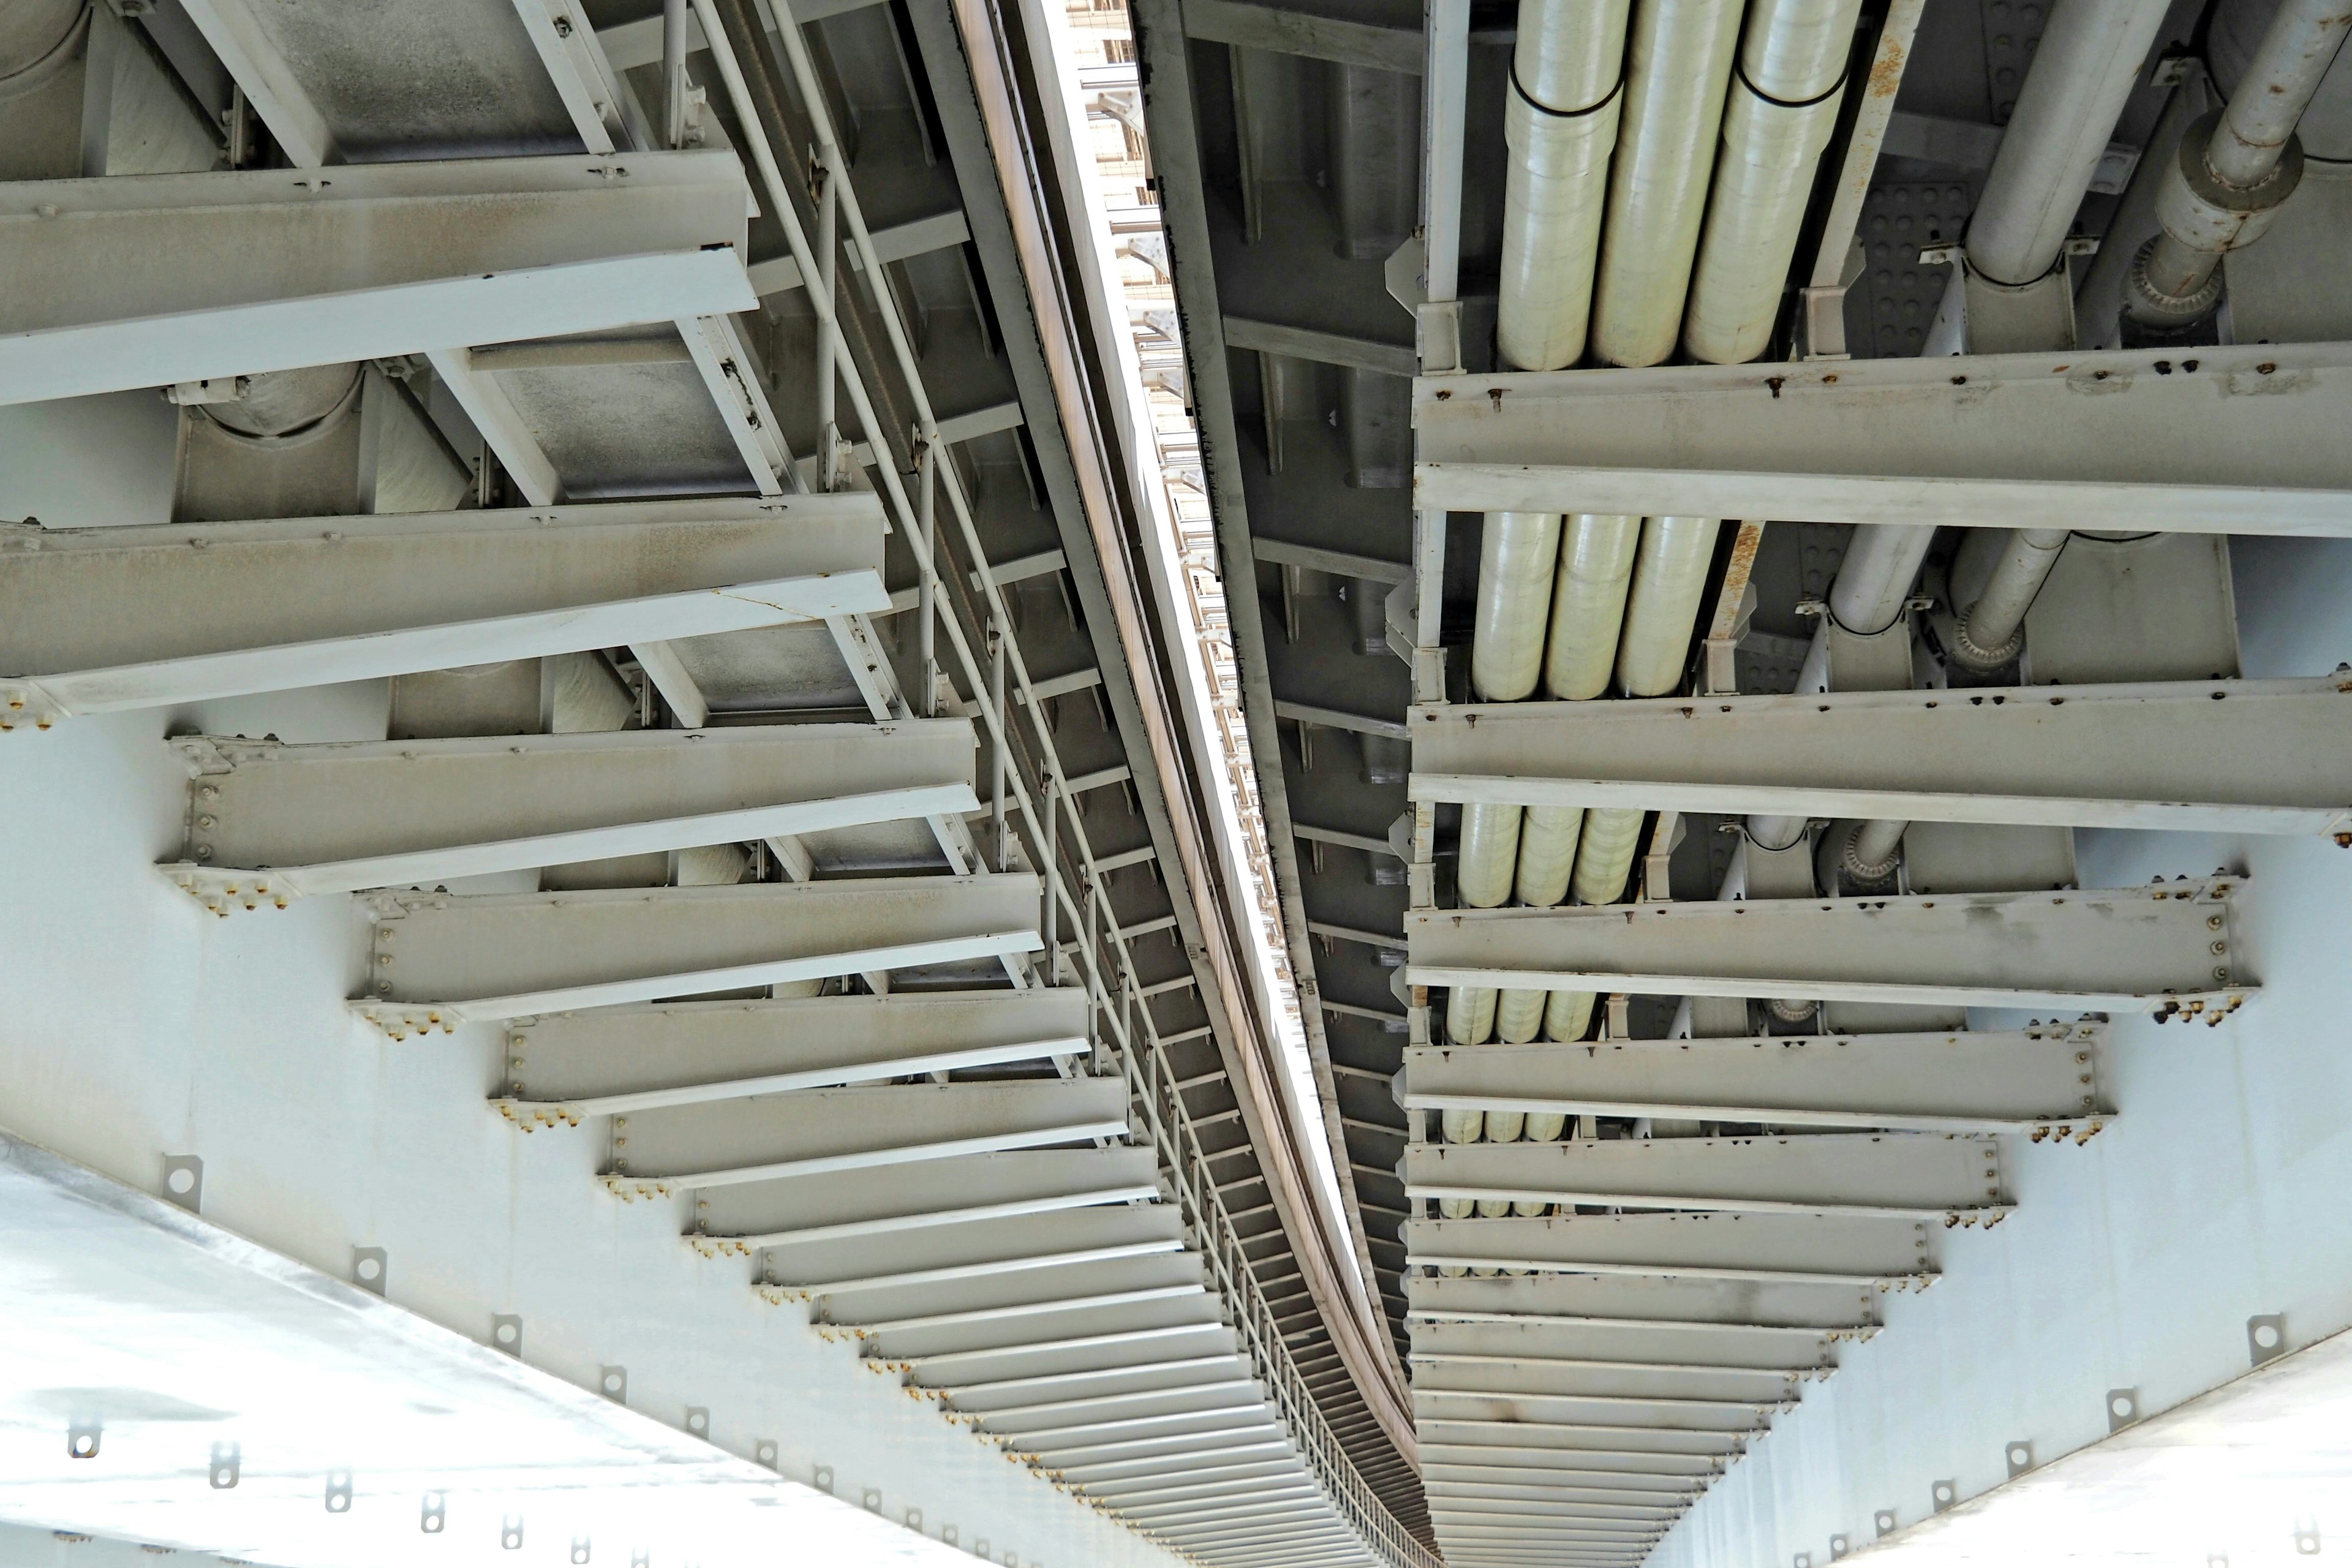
(996, 633)
(674, 73)
(1445, 92)
(927, 605)
(828, 266)
(1048, 881)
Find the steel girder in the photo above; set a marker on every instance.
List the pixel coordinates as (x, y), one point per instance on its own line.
(282, 822)
(100, 619)
(638, 1058)
(159, 278)
(2246, 443)
(2159, 755)
(1479, 1321)
(2024, 1081)
(1838, 1248)
(1692, 1306)
(2140, 950)
(440, 959)
(1900, 1175)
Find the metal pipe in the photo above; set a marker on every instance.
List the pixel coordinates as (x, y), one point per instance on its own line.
(1052, 881)
(828, 257)
(1568, 1014)
(1517, 554)
(997, 757)
(1488, 853)
(1874, 583)
(1669, 579)
(1588, 603)
(1784, 104)
(1548, 840)
(674, 73)
(1994, 631)
(2235, 168)
(927, 595)
(1605, 857)
(1561, 123)
(1678, 64)
(2083, 69)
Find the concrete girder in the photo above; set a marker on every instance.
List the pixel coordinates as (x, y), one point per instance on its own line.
(2161, 948)
(820, 1131)
(2130, 439)
(2022, 1080)
(2159, 755)
(1901, 1175)
(152, 280)
(440, 809)
(1825, 1249)
(442, 959)
(103, 620)
(637, 1057)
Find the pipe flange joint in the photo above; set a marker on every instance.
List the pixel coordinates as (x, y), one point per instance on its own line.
(1977, 659)
(2197, 208)
(2152, 304)
(1855, 872)
(1788, 1010)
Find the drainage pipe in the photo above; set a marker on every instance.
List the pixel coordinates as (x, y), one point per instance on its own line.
(2083, 69)
(2235, 167)
(1783, 106)
(1994, 633)
(1679, 66)
(1560, 122)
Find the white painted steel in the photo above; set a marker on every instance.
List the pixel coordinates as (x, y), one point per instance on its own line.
(1678, 64)
(1705, 1310)
(1899, 1176)
(2100, 440)
(1561, 123)
(1783, 104)
(1588, 607)
(100, 619)
(2026, 1080)
(443, 958)
(152, 280)
(2139, 950)
(449, 808)
(1604, 859)
(2056, 755)
(2084, 68)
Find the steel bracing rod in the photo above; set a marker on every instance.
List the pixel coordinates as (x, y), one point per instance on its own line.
(1168, 1123)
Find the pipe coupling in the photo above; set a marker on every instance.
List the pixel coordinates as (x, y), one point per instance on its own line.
(2148, 302)
(1788, 1010)
(1864, 876)
(1977, 659)
(2206, 212)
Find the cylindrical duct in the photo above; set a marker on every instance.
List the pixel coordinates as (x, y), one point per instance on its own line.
(1875, 580)
(1994, 631)
(1469, 1014)
(1518, 1018)
(1605, 857)
(1517, 554)
(1568, 1014)
(1489, 855)
(1548, 839)
(1560, 122)
(1784, 104)
(1668, 581)
(1588, 603)
(1677, 66)
(2083, 70)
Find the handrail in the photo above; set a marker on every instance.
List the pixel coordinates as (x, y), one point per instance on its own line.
(1150, 1083)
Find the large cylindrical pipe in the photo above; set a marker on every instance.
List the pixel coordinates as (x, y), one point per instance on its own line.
(2083, 70)
(1678, 64)
(1548, 839)
(1605, 857)
(1561, 123)
(1783, 106)
(1518, 554)
(1518, 1018)
(1874, 582)
(1588, 603)
(2234, 168)
(1669, 579)
(1993, 632)
(1567, 1015)
(1487, 860)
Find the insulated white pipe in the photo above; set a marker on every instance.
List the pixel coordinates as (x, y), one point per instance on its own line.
(1518, 1018)
(1517, 552)
(1669, 579)
(1605, 858)
(2083, 70)
(1561, 123)
(1470, 1015)
(1677, 66)
(1989, 636)
(1488, 855)
(1568, 1014)
(1784, 104)
(1588, 603)
(1548, 839)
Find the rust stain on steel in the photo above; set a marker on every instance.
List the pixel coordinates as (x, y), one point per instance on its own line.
(1887, 70)
(1744, 545)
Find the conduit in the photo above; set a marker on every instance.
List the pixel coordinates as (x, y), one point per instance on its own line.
(1783, 106)
(1679, 66)
(2234, 168)
(1561, 123)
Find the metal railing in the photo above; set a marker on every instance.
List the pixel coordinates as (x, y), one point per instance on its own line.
(1105, 957)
